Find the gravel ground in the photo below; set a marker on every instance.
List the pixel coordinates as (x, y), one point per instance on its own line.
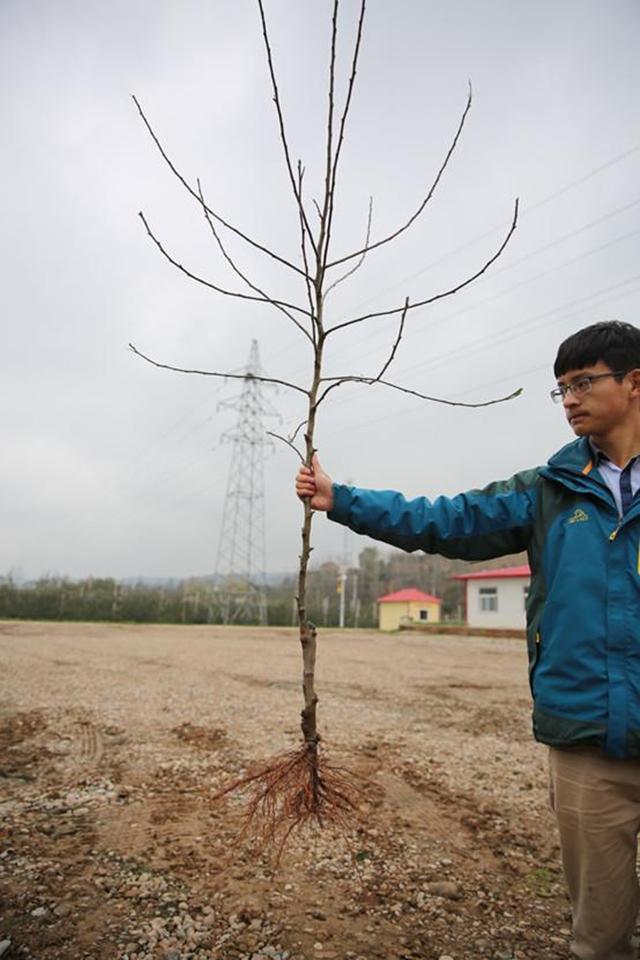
(113, 740)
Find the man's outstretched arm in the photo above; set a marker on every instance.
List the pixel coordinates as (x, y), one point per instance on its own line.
(476, 525)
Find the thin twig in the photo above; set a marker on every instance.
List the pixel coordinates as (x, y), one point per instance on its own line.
(395, 345)
(224, 376)
(270, 433)
(359, 263)
(339, 381)
(437, 296)
(343, 121)
(454, 403)
(213, 286)
(297, 430)
(237, 270)
(185, 183)
(324, 218)
(283, 136)
(305, 259)
(414, 216)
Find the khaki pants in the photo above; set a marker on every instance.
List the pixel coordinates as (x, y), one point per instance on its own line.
(596, 800)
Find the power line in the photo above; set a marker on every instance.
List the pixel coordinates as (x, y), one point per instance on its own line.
(382, 333)
(567, 236)
(153, 458)
(515, 286)
(502, 336)
(524, 212)
(549, 198)
(438, 321)
(483, 343)
(163, 486)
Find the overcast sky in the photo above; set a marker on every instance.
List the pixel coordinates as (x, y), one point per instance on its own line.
(113, 467)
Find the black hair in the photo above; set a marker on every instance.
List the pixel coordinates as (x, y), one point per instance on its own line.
(613, 342)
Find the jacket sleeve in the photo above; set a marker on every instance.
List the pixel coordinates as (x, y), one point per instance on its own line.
(476, 525)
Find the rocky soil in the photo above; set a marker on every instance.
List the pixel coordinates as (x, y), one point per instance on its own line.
(113, 740)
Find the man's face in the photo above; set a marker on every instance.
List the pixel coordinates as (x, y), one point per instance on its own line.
(605, 405)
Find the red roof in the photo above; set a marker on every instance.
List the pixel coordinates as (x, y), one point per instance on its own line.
(409, 595)
(500, 574)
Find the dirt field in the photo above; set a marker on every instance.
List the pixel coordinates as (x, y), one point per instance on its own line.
(114, 738)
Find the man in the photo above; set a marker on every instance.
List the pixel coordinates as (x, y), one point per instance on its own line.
(578, 517)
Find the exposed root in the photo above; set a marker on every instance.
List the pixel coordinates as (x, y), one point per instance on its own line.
(290, 791)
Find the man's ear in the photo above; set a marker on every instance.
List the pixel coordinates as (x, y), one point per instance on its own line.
(634, 379)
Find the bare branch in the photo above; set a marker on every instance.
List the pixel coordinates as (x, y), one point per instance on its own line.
(213, 286)
(305, 259)
(395, 345)
(185, 183)
(223, 376)
(339, 381)
(426, 200)
(343, 121)
(283, 136)
(297, 430)
(242, 276)
(437, 296)
(359, 263)
(453, 403)
(270, 433)
(324, 216)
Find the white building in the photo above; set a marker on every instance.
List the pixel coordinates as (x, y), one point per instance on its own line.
(497, 598)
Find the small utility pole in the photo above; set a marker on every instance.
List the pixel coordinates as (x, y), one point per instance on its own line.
(355, 600)
(344, 570)
(342, 589)
(325, 610)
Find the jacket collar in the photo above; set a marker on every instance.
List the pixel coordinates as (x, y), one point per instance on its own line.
(577, 457)
(575, 466)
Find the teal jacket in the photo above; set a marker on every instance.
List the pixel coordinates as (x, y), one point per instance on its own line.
(583, 608)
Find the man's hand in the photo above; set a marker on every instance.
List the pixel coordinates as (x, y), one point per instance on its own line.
(314, 483)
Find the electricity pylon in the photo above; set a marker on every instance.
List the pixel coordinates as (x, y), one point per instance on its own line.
(241, 564)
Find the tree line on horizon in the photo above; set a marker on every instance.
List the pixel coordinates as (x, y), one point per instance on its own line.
(194, 601)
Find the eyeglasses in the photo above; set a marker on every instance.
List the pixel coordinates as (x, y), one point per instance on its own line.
(582, 385)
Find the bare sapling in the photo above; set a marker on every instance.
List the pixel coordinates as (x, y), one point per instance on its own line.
(303, 785)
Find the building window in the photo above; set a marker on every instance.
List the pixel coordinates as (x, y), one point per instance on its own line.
(424, 614)
(488, 599)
